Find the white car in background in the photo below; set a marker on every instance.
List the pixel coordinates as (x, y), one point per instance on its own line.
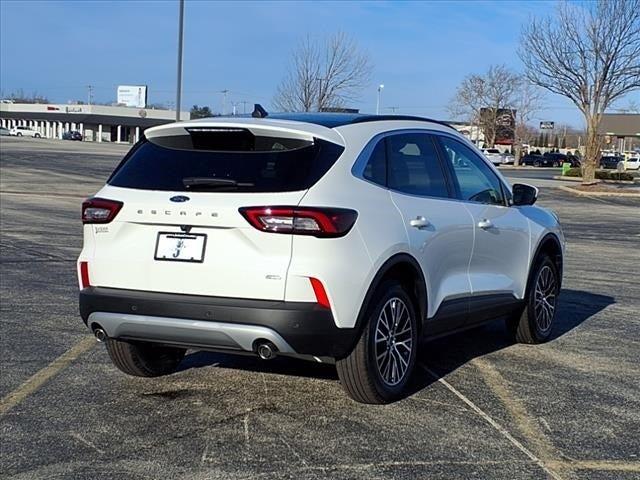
(496, 157)
(25, 132)
(632, 163)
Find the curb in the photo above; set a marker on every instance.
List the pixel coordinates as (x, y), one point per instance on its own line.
(598, 194)
(579, 179)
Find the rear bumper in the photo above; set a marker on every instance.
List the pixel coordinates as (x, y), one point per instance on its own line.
(230, 324)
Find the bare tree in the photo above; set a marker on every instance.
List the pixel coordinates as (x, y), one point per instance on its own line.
(326, 74)
(20, 96)
(589, 53)
(484, 98)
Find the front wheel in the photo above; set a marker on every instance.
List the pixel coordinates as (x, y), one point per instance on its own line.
(18, 134)
(536, 320)
(144, 359)
(380, 365)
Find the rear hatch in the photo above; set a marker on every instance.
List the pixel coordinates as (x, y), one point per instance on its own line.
(179, 228)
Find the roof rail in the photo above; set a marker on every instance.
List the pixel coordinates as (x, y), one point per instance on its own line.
(376, 118)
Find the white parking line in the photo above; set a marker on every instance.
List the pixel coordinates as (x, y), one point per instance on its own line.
(493, 423)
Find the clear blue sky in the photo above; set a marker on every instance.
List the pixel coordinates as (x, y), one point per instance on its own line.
(420, 50)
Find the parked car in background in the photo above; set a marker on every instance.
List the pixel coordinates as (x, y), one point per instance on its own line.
(4, 131)
(632, 163)
(72, 135)
(24, 132)
(610, 162)
(496, 157)
(533, 159)
(574, 161)
(556, 159)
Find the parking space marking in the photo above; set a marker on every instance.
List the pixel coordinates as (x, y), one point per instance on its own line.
(527, 425)
(610, 465)
(42, 376)
(42, 194)
(493, 423)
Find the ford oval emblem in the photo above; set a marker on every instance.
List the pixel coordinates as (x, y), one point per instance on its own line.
(179, 199)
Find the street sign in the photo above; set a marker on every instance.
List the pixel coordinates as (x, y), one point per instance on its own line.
(547, 125)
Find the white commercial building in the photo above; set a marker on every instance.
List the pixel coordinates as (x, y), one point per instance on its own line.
(96, 123)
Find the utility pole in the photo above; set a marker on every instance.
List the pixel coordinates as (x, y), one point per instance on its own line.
(224, 100)
(180, 40)
(89, 94)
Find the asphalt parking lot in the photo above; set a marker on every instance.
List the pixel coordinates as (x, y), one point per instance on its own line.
(481, 407)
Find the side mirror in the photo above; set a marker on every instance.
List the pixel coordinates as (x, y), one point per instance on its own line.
(524, 194)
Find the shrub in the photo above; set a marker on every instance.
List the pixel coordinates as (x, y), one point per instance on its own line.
(602, 174)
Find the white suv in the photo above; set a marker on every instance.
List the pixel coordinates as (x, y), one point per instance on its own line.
(25, 132)
(496, 157)
(330, 237)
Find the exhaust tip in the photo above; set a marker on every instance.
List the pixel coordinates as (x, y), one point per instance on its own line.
(267, 350)
(101, 335)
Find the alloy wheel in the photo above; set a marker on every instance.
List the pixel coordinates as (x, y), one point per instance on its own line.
(545, 298)
(393, 341)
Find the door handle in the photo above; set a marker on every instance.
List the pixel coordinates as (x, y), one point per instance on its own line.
(485, 224)
(419, 222)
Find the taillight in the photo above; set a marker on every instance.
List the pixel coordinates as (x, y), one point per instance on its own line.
(316, 221)
(99, 210)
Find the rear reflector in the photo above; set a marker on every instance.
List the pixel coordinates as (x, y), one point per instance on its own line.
(316, 221)
(84, 275)
(99, 210)
(320, 292)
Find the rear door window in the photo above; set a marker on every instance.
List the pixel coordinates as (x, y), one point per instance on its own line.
(413, 165)
(225, 160)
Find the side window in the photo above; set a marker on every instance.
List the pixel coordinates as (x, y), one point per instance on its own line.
(376, 168)
(414, 166)
(476, 180)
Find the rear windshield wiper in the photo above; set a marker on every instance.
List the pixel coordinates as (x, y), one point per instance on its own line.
(208, 182)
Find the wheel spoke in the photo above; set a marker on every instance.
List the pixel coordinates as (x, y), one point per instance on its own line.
(545, 293)
(393, 330)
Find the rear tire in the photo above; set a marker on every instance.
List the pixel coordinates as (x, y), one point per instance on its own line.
(37, 135)
(144, 359)
(379, 368)
(535, 323)
(18, 134)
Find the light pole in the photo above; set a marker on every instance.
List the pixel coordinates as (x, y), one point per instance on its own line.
(180, 38)
(380, 87)
(224, 100)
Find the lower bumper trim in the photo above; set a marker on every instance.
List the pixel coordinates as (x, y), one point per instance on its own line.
(187, 332)
(227, 323)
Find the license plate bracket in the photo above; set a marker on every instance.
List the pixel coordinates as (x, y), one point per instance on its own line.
(180, 247)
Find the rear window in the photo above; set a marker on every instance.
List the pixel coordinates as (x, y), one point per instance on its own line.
(225, 160)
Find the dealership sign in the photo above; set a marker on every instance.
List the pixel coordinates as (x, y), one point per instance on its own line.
(547, 125)
(132, 95)
(504, 123)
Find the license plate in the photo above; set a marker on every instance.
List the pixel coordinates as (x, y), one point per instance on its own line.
(180, 247)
